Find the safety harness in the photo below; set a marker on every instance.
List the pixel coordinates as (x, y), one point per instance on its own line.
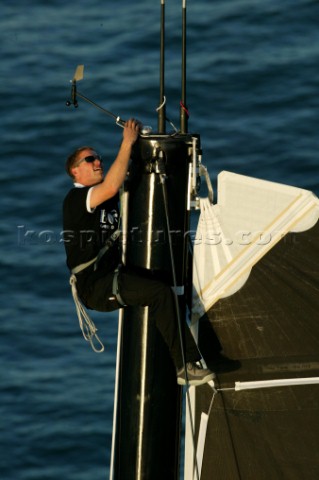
(86, 324)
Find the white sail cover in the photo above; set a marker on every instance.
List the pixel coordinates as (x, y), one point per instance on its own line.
(251, 216)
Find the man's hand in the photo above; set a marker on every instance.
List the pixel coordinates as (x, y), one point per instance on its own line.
(131, 130)
(117, 172)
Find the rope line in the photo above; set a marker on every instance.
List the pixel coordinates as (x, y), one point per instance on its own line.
(162, 104)
(86, 324)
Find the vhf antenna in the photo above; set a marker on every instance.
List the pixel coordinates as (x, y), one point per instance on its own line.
(162, 100)
(183, 109)
(162, 105)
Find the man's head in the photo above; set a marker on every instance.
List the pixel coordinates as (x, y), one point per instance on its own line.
(85, 166)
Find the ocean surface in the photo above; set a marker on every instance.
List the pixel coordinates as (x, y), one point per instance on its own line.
(253, 96)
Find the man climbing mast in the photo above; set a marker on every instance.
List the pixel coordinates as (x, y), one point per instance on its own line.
(91, 237)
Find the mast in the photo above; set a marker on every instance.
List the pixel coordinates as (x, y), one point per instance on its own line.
(148, 405)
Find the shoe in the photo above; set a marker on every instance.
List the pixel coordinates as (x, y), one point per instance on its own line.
(196, 374)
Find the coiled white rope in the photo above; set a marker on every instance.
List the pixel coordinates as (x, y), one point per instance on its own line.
(86, 324)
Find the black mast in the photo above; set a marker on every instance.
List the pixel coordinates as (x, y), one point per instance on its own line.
(148, 401)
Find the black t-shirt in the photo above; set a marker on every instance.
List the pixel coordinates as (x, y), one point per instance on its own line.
(85, 232)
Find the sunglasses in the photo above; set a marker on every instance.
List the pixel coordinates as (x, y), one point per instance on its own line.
(89, 159)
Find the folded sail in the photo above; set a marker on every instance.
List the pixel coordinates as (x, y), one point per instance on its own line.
(251, 216)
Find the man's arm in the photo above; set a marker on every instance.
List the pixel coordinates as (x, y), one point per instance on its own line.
(118, 170)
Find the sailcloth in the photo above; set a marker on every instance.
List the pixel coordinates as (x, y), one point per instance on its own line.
(250, 217)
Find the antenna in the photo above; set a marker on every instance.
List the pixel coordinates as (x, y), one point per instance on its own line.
(161, 108)
(183, 110)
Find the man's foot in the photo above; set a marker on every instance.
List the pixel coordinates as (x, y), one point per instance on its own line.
(196, 374)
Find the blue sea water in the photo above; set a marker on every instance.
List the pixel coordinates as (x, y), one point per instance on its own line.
(253, 96)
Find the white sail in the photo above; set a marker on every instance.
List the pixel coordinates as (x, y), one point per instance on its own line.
(251, 216)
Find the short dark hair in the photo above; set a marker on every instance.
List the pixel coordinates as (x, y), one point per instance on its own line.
(72, 159)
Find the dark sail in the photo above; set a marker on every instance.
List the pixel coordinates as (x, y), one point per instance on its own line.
(268, 330)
